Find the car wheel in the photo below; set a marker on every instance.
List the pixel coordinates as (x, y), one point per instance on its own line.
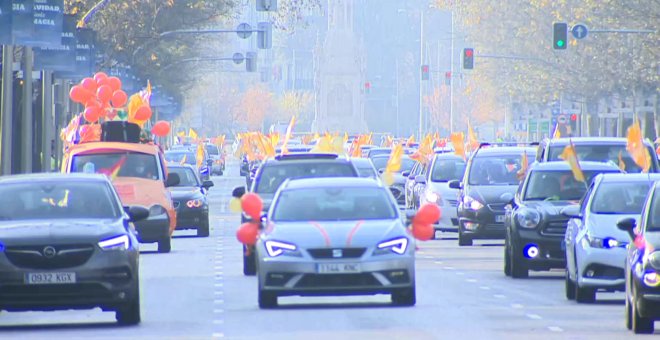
(165, 245)
(464, 240)
(129, 314)
(267, 299)
(584, 294)
(518, 268)
(507, 258)
(628, 313)
(203, 230)
(249, 263)
(640, 325)
(404, 297)
(570, 287)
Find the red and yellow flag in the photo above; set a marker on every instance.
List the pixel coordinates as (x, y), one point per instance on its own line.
(570, 156)
(524, 165)
(393, 165)
(473, 141)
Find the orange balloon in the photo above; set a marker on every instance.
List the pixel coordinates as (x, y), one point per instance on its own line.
(247, 233)
(423, 232)
(91, 114)
(252, 205)
(143, 113)
(89, 84)
(428, 214)
(161, 128)
(119, 98)
(114, 82)
(79, 94)
(104, 93)
(99, 76)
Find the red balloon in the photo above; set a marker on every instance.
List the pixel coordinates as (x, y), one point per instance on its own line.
(89, 84)
(247, 233)
(423, 232)
(114, 82)
(252, 205)
(143, 113)
(100, 76)
(93, 102)
(428, 214)
(92, 114)
(119, 98)
(78, 94)
(104, 93)
(161, 128)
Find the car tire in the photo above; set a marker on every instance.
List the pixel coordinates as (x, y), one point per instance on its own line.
(518, 268)
(129, 313)
(640, 325)
(203, 230)
(249, 263)
(569, 287)
(404, 297)
(267, 300)
(584, 294)
(628, 313)
(464, 240)
(165, 245)
(507, 258)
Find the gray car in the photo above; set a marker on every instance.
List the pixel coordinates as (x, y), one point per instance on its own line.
(67, 243)
(341, 236)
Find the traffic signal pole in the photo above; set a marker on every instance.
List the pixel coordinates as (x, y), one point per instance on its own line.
(7, 114)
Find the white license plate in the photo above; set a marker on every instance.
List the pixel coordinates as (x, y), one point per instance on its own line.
(50, 278)
(499, 218)
(334, 268)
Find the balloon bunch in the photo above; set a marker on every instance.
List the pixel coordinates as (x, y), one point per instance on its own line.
(251, 205)
(422, 225)
(101, 96)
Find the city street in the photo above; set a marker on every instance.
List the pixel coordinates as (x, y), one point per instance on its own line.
(198, 291)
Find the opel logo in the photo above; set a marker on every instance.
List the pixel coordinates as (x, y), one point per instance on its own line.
(337, 253)
(49, 252)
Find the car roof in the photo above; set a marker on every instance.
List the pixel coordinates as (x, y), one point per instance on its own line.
(623, 177)
(584, 165)
(447, 155)
(590, 140)
(83, 148)
(308, 157)
(54, 176)
(177, 165)
(327, 182)
(498, 150)
(361, 161)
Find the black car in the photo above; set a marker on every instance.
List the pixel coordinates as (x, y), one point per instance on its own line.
(535, 226)
(398, 186)
(274, 171)
(66, 242)
(642, 267)
(489, 183)
(190, 201)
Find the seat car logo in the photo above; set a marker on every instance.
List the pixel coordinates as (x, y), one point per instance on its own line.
(337, 253)
(49, 252)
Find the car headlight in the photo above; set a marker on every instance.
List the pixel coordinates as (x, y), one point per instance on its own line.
(597, 242)
(433, 197)
(652, 279)
(115, 243)
(528, 218)
(471, 203)
(194, 203)
(397, 246)
(157, 210)
(277, 248)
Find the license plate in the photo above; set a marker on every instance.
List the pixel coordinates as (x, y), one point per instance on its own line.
(50, 278)
(334, 268)
(499, 218)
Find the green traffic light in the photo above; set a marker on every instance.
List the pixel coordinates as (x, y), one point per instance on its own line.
(560, 43)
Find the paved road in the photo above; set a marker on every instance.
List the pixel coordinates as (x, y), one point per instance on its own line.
(198, 292)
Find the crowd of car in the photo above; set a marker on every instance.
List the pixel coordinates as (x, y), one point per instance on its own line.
(602, 231)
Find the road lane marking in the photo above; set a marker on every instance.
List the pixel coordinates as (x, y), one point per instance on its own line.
(219, 292)
(218, 311)
(516, 306)
(499, 296)
(218, 335)
(485, 287)
(219, 301)
(460, 273)
(471, 280)
(555, 329)
(534, 316)
(448, 268)
(438, 262)
(218, 268)
(218, 285)
(218, 322)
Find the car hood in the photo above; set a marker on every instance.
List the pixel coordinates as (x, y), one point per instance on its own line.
(184, 192)
(141, 191)
(602, 226)
(71, 231)
(328, 234)
(492, 193)
(549, 208)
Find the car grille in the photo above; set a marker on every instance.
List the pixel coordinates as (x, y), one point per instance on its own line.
(337, 280)
(555, 228)
(497, 207)
(452, 203)
(65, 256)
(343, 253)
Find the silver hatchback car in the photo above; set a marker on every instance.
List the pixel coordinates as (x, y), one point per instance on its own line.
(339, 236)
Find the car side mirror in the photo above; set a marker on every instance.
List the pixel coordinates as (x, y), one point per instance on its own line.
(172, 180)
(628, 225)
(420, 179)
(405, 173)
(136, 213)
(455, 184)
(207, 184)
(238, 192)
(572, 211)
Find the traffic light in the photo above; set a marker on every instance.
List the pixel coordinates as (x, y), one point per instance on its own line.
(559, 35)
(264, 35)
(468, 58)
(573, 124)
(425, 72)
(448, 78)
(367, 87)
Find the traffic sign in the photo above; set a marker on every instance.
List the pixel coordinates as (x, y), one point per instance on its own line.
(580, 31)
(562, 119)
(244, 30)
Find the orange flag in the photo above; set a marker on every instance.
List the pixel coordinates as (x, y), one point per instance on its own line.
(570, 156)
(458, 140)
(636, 148)
(473, 141)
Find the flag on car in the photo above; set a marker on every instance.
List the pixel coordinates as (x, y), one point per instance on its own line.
(458, 140)
(636, 148)
(287, 136)
(570, 156)
(393, 165)
(524, 165)
(192, 134)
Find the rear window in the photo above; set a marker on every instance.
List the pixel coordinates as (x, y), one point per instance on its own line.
(334, 204)
(557, 185)
(187, 176)
(603, 153)
(445, 170)
(212, 150)
(654, 216)
(620, 197)
(381, 162)
(274, 174)
(120, 164)
(496, 169)
(181, 157)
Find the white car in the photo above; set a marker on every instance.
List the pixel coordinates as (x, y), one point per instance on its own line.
(595, 247)
(444, 168)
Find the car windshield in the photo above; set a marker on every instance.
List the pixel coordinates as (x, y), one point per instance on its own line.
(381, 162)
(496, 169)
(445, 170)
(376, 152)
(187, 176)
(333, 204)
(620, 197)
(653, 223)
(273, 175)
(607, 153)
(57, 200)
(181, 157)
(212, 150)
(557, 185)
(124, 164)
(367, 172)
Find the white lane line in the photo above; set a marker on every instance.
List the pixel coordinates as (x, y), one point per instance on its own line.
(218, 311)
(534, 316)
(448, 268)
(499, 296)
(471, 280)
(218, 322)
(219, 292)
(484, 287)
(218, 268)
(516, 306)
(218, 302)
(219, 272)
(555, 329)
(460, 273)
(218, 285)
(218, 335)
(438, 262)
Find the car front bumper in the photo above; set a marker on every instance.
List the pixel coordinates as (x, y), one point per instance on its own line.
(601, 268)
(647, 299)
(481, 224)
(550, 252)
(191, 218)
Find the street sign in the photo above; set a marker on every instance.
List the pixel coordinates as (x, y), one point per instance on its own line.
(580, 31)
(562, 119)
(244, 30)
(238, 58)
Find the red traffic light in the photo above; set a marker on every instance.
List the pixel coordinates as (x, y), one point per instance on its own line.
(367, 85)
(468, 52)
(573, 117)
(425, 68)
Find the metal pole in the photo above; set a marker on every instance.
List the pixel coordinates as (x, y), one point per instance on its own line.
(7, 101)
(27, 118)
(397, 98)
(421, 82)
(451, 78)
(47, 122)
